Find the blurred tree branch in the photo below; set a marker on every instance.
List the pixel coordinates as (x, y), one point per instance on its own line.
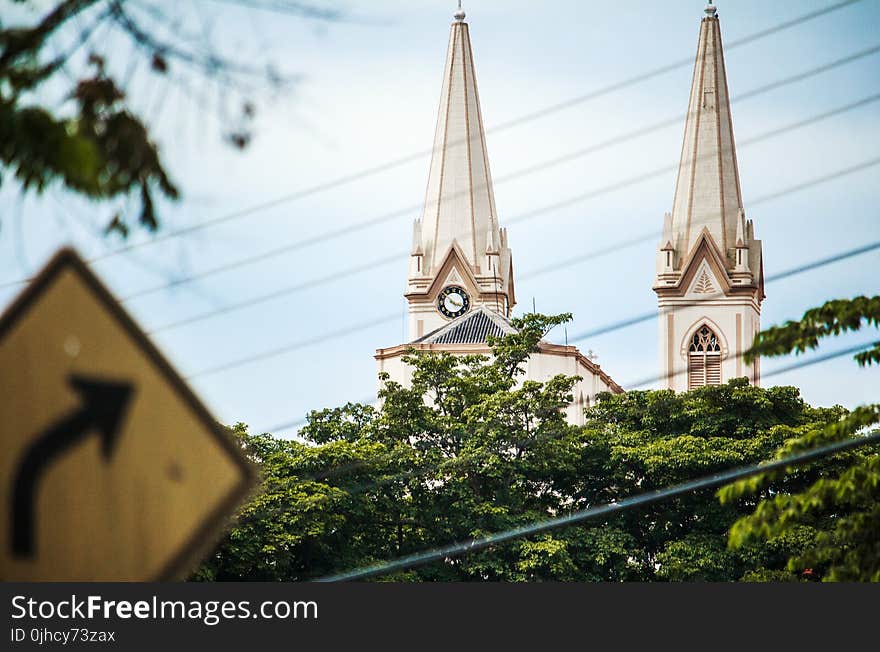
(96, 144)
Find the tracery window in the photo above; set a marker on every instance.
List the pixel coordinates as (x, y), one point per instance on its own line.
(704, 359)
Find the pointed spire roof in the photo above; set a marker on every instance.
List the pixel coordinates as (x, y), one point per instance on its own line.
(460, 202)
(707, 192)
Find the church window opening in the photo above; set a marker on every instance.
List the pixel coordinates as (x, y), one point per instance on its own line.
(704, 359)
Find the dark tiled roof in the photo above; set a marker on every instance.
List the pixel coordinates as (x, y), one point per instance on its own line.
(472, 328)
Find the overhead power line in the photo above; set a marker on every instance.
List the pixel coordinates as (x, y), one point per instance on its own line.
(624, 244)
(417, 472)
(401, 256)
(530, 117)
(618, 325)
(656, 72)
(825, 357)
(420, 471)
(526, 118)
(300, 344)
(609, 509)
(393, 316)
(533, 169)
(647, 316)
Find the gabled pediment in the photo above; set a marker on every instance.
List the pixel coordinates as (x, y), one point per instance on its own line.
(704, 272)
(454, 270)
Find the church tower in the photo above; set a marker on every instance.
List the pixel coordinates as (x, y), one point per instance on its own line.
(460, 279)
(460, 259)
(710, 280)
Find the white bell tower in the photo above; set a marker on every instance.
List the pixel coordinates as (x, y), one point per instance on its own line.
(460, 259)
(710, 279)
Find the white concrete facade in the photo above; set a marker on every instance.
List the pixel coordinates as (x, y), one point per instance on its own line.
(551, 360)
(735, 320)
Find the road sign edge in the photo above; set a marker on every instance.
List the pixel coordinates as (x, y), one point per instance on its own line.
(210, 530)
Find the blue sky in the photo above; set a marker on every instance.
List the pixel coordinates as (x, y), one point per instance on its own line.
(368, 94)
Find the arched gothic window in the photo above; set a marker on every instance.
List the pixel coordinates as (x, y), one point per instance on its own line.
(704, 359)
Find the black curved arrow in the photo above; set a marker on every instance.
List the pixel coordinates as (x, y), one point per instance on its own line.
(103, 406)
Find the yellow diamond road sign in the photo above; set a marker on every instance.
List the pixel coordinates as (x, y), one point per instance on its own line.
(110, 467)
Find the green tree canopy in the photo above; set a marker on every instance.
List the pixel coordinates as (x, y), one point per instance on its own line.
(469, 449)
(843, 504)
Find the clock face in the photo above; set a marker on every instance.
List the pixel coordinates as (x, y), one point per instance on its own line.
(453, 301)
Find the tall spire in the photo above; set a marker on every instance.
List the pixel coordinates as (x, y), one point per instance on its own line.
(458, 245)
(709, 281)
(460, 202)
(707, 193)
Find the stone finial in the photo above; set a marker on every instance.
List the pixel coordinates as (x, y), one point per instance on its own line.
(417, 239)
(491, 245)
(459, 15)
